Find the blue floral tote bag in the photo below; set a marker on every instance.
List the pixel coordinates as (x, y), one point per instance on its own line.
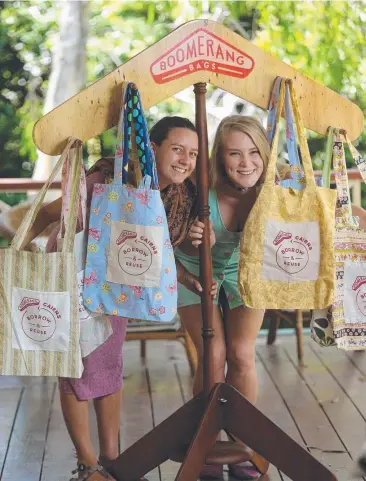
(130, 269)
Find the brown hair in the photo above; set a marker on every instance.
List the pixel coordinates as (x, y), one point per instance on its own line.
(249, 126)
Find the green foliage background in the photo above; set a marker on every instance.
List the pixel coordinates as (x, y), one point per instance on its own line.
(325, 40)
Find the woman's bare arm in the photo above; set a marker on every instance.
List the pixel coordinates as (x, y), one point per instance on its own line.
(48, 214)
(191, 282)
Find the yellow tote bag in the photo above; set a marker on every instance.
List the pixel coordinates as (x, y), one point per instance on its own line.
(286, 249)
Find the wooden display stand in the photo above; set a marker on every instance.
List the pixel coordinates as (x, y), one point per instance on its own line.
(201, 52)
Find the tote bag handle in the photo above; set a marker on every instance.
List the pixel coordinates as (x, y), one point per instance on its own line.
(133, 139)
(68, 173)
(304, 150)
(293, 155)
(74, 201)
(344, 209)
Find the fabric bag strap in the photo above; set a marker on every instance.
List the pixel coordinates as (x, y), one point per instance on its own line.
(328, 159)
(344, 209)
(74, 201)
(293, 155)
(304, 150)
(133, 139)
(357, 157)
(68, 172)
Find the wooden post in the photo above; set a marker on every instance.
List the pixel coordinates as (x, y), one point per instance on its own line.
(205, 248)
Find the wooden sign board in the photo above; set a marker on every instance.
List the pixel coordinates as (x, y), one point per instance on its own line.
(198, 51)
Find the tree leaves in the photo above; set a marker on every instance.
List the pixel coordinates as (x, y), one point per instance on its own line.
(325, 40)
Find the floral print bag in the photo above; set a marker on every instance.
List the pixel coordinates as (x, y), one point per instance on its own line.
(130, 268)
(346, 326)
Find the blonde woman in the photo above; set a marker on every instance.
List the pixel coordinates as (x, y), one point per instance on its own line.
(238, 163)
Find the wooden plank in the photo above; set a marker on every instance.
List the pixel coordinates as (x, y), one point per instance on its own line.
(284, 397)
(166, 394)
(358, 359)
(27, 444)
(271, 403)
(341, 411)
(23, 185)
(311, 420)
(10, 401)
(60, 457)
(137, 417)
(183, 371)
(319, 106)
(350, 378)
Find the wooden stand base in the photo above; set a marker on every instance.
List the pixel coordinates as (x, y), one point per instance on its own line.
(198, 423)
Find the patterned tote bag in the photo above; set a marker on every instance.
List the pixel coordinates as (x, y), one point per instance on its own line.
(130, 269)
(39, 319)
(286, 249)
(349, 308)
(326, 328)
(95, 328)
(321, 328)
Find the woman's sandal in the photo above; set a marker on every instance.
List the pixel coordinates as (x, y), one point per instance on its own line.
(91, 473)
(244, 471)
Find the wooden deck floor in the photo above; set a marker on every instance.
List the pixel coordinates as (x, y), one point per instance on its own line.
(322, 406)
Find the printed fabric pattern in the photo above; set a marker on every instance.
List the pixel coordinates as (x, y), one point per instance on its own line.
(276, 204)
(116, 204)
(348, 310)
(39, 294)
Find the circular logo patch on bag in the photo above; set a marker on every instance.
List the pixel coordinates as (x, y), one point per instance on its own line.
(359, 286)
(39, 319)
(292, 254)
(136, 253)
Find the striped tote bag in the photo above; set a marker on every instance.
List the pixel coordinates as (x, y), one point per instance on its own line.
(39, 318)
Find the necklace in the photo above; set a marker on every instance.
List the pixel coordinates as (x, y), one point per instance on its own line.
(239, 189)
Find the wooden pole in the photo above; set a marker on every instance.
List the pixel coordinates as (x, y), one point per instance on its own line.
(205, 249)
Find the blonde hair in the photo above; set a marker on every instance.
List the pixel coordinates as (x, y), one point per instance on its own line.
(249, 126)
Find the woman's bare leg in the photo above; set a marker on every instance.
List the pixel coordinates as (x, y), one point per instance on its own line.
(108, 411)
(242, 326)
(191, 318)
(76, 417)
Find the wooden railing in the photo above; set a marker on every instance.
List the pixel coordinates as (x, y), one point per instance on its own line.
(24, 185)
